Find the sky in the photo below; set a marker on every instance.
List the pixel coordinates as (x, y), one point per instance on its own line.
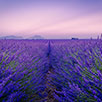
(51, 18)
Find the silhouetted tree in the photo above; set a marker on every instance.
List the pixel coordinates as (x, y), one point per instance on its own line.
(101, 36)
(98, 37)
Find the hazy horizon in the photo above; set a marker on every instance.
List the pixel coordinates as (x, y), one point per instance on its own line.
(51, 18)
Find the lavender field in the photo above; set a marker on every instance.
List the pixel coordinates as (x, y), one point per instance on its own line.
(51, 70)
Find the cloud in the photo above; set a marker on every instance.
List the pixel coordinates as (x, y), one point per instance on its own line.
(86, 24)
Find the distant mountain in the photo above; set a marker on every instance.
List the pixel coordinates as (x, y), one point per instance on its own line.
(36, 37)
(74, 38)
(19, 37)
(11, 37)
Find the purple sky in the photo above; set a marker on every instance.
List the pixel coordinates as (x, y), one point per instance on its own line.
(51, 18)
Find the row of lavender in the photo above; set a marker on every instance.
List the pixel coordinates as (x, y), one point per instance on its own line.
(70, 70)
(23, 66)
(77, 73)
